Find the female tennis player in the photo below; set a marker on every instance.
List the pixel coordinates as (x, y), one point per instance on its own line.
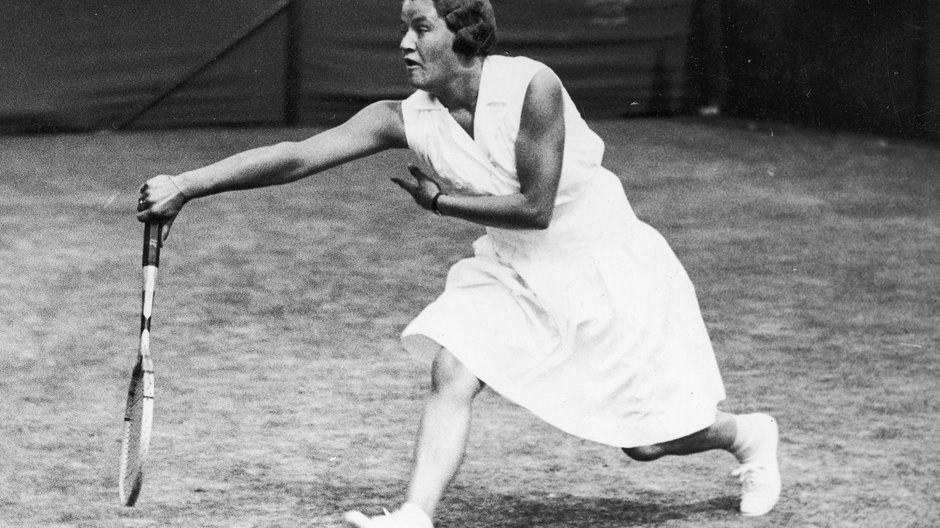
(570, 306)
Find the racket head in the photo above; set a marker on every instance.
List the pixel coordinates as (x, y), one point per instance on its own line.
(138, 422)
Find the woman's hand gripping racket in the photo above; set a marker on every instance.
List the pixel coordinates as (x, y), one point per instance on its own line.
(138, 416)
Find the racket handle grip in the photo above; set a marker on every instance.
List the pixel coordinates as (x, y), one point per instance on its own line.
(152, 242)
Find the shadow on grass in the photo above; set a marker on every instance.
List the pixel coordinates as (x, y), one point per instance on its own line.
(473, 506)
(642, 509)
(598, 512)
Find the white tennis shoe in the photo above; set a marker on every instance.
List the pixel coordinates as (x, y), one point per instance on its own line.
(408, 516)
(759, 472)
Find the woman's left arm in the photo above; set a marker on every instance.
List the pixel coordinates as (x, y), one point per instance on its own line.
(539, 149)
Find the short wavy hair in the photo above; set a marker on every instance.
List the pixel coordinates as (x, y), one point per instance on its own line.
(474, 23)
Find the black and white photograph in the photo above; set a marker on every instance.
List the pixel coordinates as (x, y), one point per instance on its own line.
(469, 263)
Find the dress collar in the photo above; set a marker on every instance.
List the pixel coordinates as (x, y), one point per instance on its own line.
(489, 93)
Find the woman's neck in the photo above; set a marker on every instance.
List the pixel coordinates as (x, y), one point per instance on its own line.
(461, 90)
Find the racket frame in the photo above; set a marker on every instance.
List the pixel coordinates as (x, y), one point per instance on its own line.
(141, 391)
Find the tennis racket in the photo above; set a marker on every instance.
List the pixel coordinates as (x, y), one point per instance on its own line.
(138, 416)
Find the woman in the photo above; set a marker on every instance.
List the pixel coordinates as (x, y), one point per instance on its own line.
(570, 306)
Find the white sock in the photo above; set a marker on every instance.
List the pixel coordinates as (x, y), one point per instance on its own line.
(415, 515)
(749, 436)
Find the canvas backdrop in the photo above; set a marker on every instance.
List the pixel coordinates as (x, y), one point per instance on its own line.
(92, 64)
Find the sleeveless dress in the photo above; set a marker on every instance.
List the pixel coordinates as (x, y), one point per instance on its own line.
(592, 324)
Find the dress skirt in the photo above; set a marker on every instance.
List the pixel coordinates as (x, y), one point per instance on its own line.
(593, 324)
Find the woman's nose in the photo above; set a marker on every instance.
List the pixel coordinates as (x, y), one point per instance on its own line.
(407, 41)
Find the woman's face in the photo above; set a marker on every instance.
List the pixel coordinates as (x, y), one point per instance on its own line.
(427, 45)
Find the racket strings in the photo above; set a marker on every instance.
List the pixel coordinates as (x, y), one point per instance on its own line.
(136, 433)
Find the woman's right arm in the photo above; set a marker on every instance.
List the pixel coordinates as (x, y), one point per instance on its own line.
(377, 127)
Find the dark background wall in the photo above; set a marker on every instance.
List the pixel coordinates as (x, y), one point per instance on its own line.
(616, 57)
(91, 64)
(861, 65)
(865, 65)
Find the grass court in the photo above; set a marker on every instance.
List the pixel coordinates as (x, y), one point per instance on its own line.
(283, 396)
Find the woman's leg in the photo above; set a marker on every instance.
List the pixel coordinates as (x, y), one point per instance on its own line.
(751, 438)
(442, 436)
(442, 439)
(720, 435)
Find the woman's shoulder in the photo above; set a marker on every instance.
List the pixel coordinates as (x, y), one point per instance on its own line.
(382, 121)
(515, 65)
(506, 79)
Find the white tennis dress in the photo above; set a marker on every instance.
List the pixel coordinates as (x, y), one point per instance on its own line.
(591, 324)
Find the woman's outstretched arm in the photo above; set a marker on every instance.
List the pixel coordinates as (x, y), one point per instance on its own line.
(375, 128)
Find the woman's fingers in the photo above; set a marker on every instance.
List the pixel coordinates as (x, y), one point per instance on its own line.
(147, 211)
(422, 178)
(431, 186)
(423, 188)
(143, 206)
(159, 201)
(418, 173)
(166, 228)
(406, 185)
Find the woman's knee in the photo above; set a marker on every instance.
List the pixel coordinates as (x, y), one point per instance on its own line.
(644, 453)
(449, 377)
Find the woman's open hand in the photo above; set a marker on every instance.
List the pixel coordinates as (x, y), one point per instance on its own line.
(160, 200)
(423, 189)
